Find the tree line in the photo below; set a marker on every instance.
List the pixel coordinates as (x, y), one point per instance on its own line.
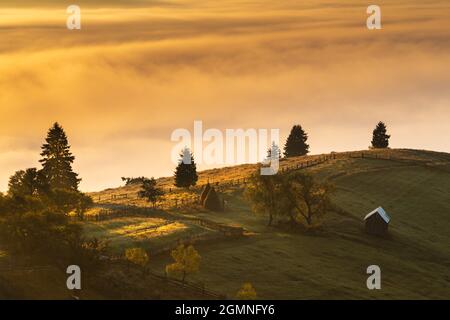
(296, 145)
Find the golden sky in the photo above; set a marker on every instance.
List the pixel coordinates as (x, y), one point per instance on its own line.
(137, 70)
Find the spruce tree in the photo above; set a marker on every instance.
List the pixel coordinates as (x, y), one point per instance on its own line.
(57, 160)
(296, 143)
(380, 139)
(275, 150)
(186, 171)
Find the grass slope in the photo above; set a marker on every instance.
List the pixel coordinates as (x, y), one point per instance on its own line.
(330, 264)
(415, 261)
(149, 233)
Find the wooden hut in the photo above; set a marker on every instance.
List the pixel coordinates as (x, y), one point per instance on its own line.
(377, 222)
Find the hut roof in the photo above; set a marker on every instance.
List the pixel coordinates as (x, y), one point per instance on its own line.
(381, 212)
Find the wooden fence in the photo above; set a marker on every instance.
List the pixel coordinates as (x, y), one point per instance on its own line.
(194, 198)
(199, 287)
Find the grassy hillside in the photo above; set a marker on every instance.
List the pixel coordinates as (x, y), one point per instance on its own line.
(25, 278)
(330, 263)
(413, 186)
(153, 234)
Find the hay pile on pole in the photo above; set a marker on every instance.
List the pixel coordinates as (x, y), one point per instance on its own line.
(205, 193)
(212, 201)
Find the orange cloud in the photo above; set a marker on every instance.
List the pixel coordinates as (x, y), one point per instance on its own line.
(133, 74)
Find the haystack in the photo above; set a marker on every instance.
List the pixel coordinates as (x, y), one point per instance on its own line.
(212, 201)
(204, 193)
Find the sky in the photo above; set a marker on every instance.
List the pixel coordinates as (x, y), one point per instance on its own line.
(137, 70)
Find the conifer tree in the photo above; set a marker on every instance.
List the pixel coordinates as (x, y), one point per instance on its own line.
(380, 139)
(275, 150)
(186, 171)
(296, 143)
(57, 160)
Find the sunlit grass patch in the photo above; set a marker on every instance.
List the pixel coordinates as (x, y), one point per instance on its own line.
(118, 226)
(144, 231)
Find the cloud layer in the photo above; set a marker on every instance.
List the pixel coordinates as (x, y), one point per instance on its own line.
(138, 70)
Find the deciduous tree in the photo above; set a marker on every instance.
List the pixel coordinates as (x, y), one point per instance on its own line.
(305, 197)
(29, 182)
(139, 257)
(187, 261)
(150, 191)
(263, 191)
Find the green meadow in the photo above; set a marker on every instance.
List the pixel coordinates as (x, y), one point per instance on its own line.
(331, 262)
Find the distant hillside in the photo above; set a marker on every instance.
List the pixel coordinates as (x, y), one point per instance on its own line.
(412, 185)
(239, 172)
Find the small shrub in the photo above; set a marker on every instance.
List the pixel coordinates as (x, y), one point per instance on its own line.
(137, 256)
(247, 292)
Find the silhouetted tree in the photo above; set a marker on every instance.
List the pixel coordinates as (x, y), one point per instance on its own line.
(305, 196)
(29, 182)
(263, 191)
(83, 203)
(16, 184)
(131, 180)
(57, 160)
(66, 200)
(3, 204)
(150, 191)
(186, 171)
(296, 196)
(380, 139)
(296, 143)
